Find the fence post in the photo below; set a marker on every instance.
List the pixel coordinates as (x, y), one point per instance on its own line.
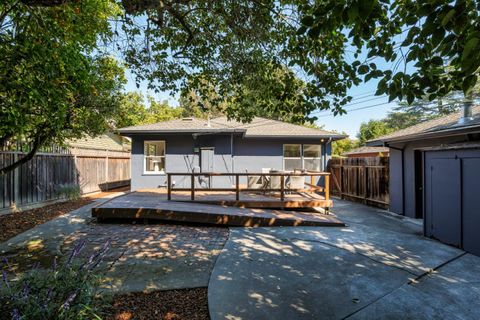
(365, 184)
(106, 169)
(16, 182)
(342, 187)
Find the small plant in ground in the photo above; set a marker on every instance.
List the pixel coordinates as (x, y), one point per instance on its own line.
(69, 191)
(65, 291)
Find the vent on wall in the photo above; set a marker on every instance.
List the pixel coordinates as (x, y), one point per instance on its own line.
(187, 119)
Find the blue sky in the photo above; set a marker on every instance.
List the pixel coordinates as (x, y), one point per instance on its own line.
(369, 106)
(363, 97)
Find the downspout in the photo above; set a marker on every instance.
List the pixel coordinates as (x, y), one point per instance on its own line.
(403, 174)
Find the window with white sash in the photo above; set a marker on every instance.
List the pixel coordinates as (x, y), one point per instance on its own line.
(154, 156)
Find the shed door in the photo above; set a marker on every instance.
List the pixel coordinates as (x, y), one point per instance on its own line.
(206, 159)
(443, 199)
(471, 205)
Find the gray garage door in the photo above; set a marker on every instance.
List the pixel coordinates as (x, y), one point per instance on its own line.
(452, 198)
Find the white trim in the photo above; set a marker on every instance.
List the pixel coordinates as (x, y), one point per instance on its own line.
(161, 172)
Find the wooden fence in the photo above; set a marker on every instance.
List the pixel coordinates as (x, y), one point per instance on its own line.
(362, 179)
(42, 178)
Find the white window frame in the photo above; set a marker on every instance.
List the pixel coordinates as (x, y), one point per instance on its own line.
(311, 158)
(292, 158)
(302, 157)
(162, 172)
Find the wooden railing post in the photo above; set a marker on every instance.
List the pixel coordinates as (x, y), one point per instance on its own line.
(192, 186)
(169, 187)
(282, 187)
(312, 182)
(237, 187)
(327, 187)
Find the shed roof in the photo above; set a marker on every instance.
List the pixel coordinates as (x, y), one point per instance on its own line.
(432, 128)
(366, 149)
(258, 127)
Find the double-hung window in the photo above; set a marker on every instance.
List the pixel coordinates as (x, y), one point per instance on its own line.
(154, 154)
(306, 157)
(312, 155)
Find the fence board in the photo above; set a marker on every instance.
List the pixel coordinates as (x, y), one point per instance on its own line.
(363, 179)
(39, 179)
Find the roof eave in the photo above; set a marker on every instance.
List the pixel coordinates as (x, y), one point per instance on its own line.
(426, 135)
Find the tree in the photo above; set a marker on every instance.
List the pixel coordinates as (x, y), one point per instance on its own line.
(373, 129)
(54, 86)
(339, 147)
(234, 45)
(442, 39)
(132, 111)
(162, 111)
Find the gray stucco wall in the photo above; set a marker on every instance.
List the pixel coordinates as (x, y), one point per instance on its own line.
(248, 155)
(402, 197)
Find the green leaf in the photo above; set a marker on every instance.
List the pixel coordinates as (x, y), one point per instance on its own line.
(363, 69)
(468, 84)
(446, 19)
(437, 61)
(307, 21)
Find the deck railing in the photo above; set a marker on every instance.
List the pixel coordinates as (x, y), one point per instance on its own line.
(312, 187)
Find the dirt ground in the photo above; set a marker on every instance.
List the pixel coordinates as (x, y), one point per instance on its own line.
(188, 304)
(18, 222)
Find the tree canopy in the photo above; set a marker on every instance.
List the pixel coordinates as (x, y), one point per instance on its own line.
(54, 86)
(330, 45)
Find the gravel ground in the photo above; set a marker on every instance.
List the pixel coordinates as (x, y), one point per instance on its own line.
(188, 304)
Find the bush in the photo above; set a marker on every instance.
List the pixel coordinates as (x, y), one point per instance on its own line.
(69, 191)
(65, 291)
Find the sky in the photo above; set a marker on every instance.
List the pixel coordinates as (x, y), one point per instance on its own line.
(364, 106)
(369, 105)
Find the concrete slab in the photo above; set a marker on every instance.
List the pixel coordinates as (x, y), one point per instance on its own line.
(451, 292)
(262, 276)
(155, 256)
(308, 272)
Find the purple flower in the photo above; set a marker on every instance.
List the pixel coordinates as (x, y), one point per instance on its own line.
(15, 314)
(69, 300)
(5, 279)
(54, 264)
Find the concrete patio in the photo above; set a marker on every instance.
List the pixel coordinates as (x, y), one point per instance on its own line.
(378, 267)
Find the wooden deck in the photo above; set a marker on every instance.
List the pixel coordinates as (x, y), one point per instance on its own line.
(208, 209)
(271, 200)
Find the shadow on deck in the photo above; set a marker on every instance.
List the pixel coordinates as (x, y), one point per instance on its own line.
(216, 209)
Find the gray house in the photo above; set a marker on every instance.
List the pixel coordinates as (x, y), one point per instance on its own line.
(435, 176)
(219, 145)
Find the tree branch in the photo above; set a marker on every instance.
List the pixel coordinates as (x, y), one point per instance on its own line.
(37, 143)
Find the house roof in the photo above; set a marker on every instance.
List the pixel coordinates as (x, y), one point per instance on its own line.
(366, 149)
(258, 127)
(107, 141)
(448, 124)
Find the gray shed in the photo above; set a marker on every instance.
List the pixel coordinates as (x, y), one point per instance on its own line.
(435, 176)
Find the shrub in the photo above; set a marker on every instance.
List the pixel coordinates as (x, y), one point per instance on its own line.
(69, 191)
(64, 291)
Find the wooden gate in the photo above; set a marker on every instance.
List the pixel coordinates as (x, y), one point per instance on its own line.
(361, 179)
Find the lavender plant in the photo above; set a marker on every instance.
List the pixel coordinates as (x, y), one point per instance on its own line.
(67, 290)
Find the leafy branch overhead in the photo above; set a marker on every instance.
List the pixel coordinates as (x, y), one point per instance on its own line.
(441, 39)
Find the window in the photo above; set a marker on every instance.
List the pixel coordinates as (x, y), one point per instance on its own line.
(154, 153)
(312, 154)
(292, 156)
(307, 158)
